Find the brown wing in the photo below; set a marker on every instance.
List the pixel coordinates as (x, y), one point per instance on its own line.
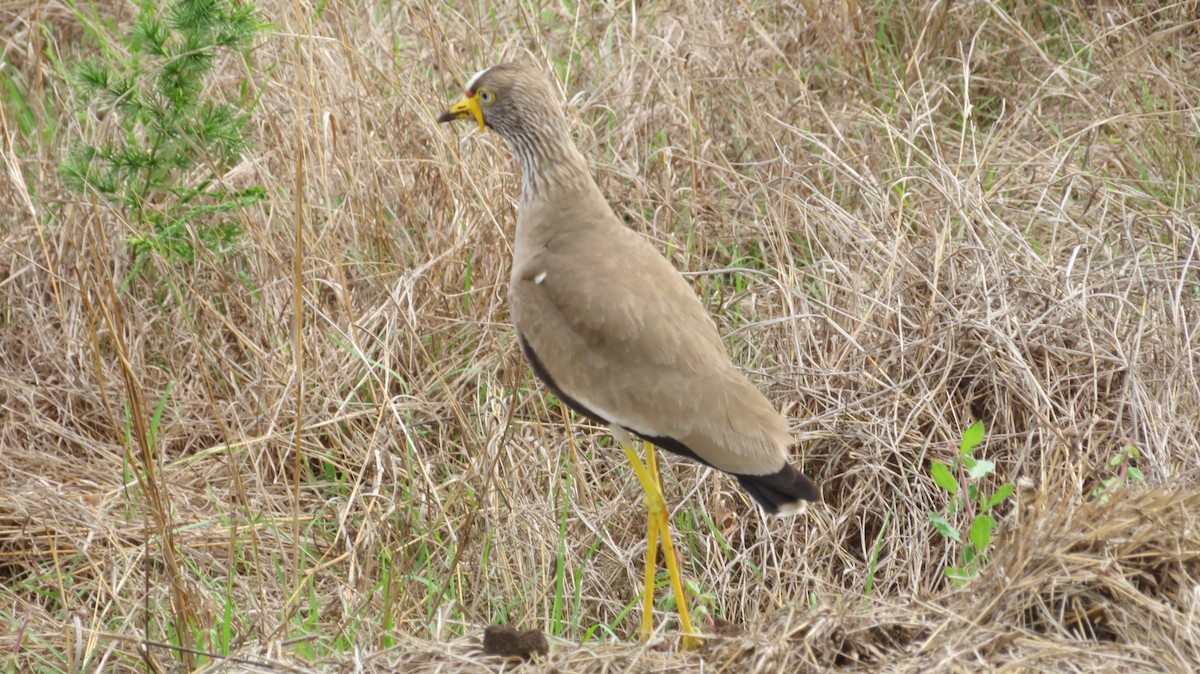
(620, 333)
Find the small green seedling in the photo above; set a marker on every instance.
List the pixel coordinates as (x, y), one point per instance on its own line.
(174, 128)
(1124, 473)
(962, 480)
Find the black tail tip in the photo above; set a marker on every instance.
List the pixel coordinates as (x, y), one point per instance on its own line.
(786, 492)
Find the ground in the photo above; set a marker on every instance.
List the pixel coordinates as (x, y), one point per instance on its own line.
(314, 445)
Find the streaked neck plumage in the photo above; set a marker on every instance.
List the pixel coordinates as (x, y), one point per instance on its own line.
(551, 166)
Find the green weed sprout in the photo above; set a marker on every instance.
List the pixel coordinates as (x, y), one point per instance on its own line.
(968, 502)
(1124, 473)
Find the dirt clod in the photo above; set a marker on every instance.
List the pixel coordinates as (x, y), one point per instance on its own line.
(511, 642)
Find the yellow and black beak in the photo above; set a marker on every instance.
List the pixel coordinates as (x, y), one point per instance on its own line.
(467, 107)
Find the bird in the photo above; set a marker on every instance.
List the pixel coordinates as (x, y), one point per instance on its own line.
(614, 330)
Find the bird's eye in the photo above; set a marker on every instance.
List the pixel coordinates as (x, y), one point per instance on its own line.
(486, 97)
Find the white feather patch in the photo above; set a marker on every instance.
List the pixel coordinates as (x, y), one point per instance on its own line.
(470, 86)
(539, 278)
(791, 509)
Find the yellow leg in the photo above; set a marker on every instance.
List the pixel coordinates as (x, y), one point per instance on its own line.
(654, 529)
(659, 529)
(651, 569)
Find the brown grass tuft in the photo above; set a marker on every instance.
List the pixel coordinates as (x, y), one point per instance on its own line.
(325, 453)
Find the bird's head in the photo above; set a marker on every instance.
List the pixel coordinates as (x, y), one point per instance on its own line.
(510, 98)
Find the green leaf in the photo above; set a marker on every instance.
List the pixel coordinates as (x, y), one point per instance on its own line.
(982, 468)
(1002, 493)
(943, 527)
(943, 477)
(968, 557)
(971, 438)
(957, 573)
(1135, 474)
(981, 532)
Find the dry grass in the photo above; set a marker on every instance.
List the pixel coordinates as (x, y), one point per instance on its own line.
(905, 219)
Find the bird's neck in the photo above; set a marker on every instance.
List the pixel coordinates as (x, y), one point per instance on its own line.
(551, 166)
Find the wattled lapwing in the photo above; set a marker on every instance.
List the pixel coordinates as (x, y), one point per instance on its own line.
(615, 332)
